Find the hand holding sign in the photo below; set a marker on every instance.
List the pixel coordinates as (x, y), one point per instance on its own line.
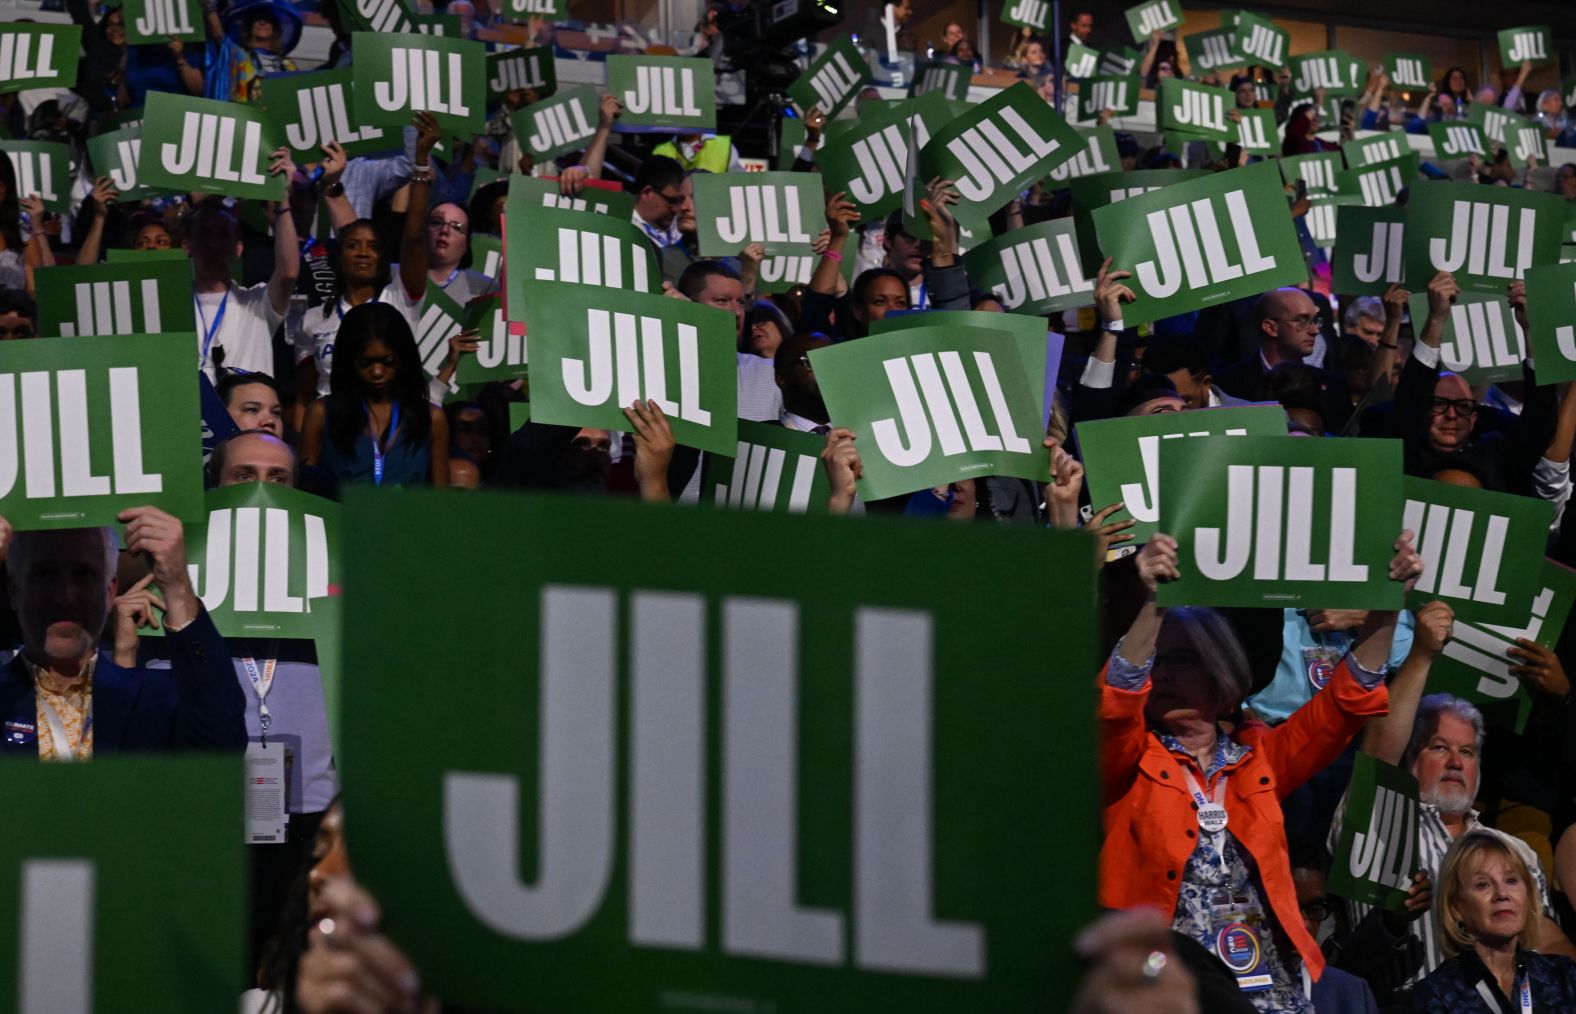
(1110, 293)
(162, 539)
(1157, 562)
(653, 449)
(135, 609)
(1061, 494)
(1540, 668)
(346, 956)
(840, 458)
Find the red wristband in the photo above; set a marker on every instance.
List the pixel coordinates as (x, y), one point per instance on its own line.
(833, 255)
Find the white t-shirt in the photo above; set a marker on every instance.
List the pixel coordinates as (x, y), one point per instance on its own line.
(245, 331)
(320, 328)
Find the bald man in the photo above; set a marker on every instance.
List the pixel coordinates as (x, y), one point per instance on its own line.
(1287, 325)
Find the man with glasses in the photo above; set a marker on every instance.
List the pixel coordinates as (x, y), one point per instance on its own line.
(18, 315)
(658, 190)
(1377, 952)
(448, 241)
(1287, 324)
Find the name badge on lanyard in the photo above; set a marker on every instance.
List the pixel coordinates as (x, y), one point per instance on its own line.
(1211, 809)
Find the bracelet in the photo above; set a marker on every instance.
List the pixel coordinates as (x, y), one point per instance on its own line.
(833, 255)
(1389, 345)
(334, 189)
(422, 174)
(1115, 325)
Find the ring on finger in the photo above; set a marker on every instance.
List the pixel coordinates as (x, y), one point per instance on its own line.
(1154, 964)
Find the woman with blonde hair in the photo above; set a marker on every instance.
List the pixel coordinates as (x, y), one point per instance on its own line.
(1488, 927)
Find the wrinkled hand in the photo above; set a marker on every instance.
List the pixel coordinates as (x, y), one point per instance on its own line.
(349, 966)
(334, 162)
(1107, 532)
(1067, 475)
(1119, 945)
(609, 110)
(1110, 293)
(104, 194)
(428, 134)
(840, 458)
(1157, 561)
(1395, 299)
(1442, 292)
(573, 180)
(840, 214)
(1407, 564)
(1435, 625)
(1539, 667)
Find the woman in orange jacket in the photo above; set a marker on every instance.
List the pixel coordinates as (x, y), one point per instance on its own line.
(1193, 821)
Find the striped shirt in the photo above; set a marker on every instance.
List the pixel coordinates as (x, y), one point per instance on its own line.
(1434, 840)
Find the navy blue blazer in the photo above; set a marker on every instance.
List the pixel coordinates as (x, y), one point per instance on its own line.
(196, 704)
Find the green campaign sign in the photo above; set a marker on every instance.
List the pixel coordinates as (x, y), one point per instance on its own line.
(502, 352)
(38, 56)
(1034, 14)
(1377, 851)
(1532, 44)
(1098, 156)
(487, 255)
(1320, 219)
(543, 193)
(1495, 121)
(1458, 140)
(397, 75)
(1208, 240)
(156, 22)
(114, 154)
(781, 211)
(1281, 521)
(1379, 183)
(832, 80)
(1487, 236)
(98, 425)
(867, 162)
(524, 10)
(95, 918)
(565, 122)
(677, 92)
(1091, 192)
(1524, 142)
(43, 170)
(1195, 109)
(1152, 16)
(1214, 50)
(1320, 172)
(734, 781)
(514, 70)
(997, 148)
(1551, 321)
(1033, 270)
(1481, 340)
(1334, 71)
(1367, 258)
(266, 562)
(1408, 70)
(1118, 94)
(950, 79)
(1482, 551)
(446, 25)
(933, 404)
(773, 469)
(1119, 62)
(549, 244)
(383, 16)
(1081, 61)
(149, 297)
(307, 110)
(1261, 41)
(1122, 455)
(213, 147)
(1376, 148)
(1039, 351)
(597, 350)
(1475, 664)
(1256, 131)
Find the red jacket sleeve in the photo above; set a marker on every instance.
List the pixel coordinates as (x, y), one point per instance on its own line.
(1317, 732)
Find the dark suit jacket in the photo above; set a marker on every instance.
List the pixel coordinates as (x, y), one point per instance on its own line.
(196, 704)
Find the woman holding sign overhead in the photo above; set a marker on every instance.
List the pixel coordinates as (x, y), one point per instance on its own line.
(1193, 822)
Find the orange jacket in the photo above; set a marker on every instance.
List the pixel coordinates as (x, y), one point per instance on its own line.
(1150, 827)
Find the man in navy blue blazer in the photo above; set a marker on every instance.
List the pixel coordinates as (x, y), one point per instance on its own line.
(61, 698)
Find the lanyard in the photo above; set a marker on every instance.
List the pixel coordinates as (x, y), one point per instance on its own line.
(339, 304)
(1307, 983)
(218, 318)
(379, 452)
(1488, 995)
(1526, 994)
(1211, 810)
(262, 681)
(447, 281)
(57, 732)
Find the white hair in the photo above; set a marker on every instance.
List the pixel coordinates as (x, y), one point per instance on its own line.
(1363, 306)
(23, 543)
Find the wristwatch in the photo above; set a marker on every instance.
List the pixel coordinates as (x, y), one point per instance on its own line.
(334, 189)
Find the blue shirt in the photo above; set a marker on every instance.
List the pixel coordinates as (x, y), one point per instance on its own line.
(1307, 662)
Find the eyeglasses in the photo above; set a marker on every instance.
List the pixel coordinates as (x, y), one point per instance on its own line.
(674, 200)
(1318, 909)
(1305, 320)
(1462, 406)
(438, 225)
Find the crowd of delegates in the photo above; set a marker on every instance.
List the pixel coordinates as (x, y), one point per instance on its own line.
(306, 331)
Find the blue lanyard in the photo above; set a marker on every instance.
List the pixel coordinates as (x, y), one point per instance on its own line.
(339, 304)
(379, 452)
(449, 280)
(218, 319)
